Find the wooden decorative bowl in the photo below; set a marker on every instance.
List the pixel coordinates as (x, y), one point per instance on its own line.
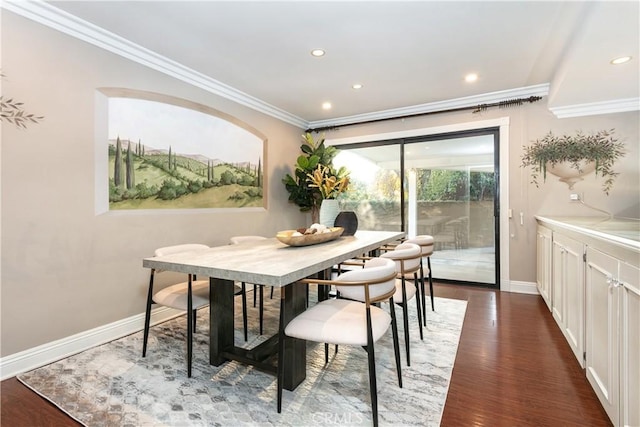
(287, 238)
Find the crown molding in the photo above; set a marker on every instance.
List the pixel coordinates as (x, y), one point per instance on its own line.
(50, 16)
(594, 108)
(467, 101)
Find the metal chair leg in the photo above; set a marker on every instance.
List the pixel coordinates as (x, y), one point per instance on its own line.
(189, 326)
(373, 387)
(430, 286)
(405, 315)
(422, 287)
(396, 341)
(281, 339)
(147, 314)
(244, 311)
(418, 305)
(255, 287)
(261, 307)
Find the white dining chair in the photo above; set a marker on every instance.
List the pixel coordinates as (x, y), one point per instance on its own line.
(407, 260)
(426, 243)
(353, 321)
(188, 296)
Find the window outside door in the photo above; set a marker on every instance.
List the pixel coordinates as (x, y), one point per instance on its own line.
(440, 185)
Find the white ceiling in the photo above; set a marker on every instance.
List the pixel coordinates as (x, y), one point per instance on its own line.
(404, 53)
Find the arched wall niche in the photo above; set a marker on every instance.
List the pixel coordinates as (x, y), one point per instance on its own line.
(162, 153)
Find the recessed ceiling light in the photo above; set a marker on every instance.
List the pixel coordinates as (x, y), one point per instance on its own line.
(621, 60)
(356, 86)
(317, 52)
(326, 106)
(472, 77)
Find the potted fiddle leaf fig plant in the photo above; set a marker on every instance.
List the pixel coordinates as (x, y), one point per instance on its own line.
(314, 178)
(572, 156)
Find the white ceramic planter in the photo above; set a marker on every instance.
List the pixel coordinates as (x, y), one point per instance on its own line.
(570, 174)
(329, 210)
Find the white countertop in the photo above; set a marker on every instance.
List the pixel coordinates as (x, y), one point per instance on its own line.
(622, 230)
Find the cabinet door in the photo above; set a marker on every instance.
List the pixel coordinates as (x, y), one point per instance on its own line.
(630, 345)
(573, 292)
(602, 366)
(557, 282)
(543, 266)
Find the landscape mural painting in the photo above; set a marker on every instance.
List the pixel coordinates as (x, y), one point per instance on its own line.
(165, 156)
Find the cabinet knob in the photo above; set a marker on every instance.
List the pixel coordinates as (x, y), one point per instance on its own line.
(612, 282)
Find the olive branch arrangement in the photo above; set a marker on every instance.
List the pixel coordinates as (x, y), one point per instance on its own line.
(12, 112)
(600, 147)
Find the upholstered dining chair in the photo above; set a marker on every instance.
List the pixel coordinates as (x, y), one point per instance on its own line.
(354, 320)
(407, 260)
(235, 240)
(426, 243)
(189, 296)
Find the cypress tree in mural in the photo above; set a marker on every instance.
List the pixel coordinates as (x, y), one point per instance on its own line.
(118, 173)
(208, 171)
(131, 180)
(169, 157)
(258, 176)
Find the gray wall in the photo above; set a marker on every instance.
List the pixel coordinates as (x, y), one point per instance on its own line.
(65, 269)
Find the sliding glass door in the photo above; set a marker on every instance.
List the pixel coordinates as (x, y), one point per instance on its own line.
(440, 185)
(375, 190)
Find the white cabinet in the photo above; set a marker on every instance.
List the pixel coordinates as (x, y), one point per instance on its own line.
(602, 330)
(613, 335)
(630, 345)
(543, 272)
(567, 295)
(593, 290)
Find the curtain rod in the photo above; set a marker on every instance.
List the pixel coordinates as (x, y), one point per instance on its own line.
(476, 109)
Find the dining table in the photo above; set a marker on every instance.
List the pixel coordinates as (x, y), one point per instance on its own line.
(266, 262)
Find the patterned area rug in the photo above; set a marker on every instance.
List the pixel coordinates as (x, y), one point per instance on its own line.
(113, 385)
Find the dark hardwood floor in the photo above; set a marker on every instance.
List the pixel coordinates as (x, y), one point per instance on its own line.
(513, 368)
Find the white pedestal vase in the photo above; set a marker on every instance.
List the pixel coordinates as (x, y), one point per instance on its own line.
(329, 210)
(569, 174)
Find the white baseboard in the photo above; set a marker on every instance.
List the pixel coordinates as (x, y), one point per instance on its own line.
(36, 357)
(522, 287)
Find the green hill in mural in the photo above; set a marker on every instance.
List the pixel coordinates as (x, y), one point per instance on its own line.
(141, 177)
